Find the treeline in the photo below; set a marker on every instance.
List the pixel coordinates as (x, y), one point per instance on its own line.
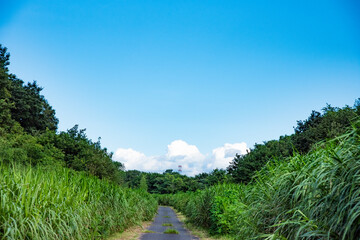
(28, 132)
(172, 182)
(311, 196)
(330, 123)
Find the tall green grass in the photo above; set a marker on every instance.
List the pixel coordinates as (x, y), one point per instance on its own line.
(313, 196)
(40, 203)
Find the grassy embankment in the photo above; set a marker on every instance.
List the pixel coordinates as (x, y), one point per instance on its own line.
(312, 196)
(44, 203)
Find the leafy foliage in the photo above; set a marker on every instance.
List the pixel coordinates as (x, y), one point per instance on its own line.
(318, 127)
(6, 121)
(81, 154)
(22, 103)
(31, 109)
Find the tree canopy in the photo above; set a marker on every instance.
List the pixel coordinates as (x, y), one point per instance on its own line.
(332, 122)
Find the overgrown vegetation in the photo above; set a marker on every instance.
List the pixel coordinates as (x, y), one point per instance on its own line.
(312, 196)
(43, 203)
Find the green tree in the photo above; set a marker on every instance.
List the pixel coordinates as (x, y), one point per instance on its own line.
(332, 122)
(81, 154)
(143, 183)
(31, 109)
(5, 104)
(132, 178)
(217, 176)
(23, 103)
(4, 58)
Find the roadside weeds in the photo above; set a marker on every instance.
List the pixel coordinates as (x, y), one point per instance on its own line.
(132, 233)
(198, 232)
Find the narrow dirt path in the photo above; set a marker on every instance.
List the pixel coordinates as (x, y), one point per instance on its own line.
(166, 216)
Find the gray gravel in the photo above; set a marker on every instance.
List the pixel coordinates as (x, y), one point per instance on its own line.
(167, 215)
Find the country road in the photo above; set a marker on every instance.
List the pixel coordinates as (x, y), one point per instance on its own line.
(156, 230)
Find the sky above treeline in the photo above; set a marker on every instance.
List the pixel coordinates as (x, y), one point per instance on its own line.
(165, 83)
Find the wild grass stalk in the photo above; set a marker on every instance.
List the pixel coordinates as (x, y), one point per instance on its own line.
(38, 203)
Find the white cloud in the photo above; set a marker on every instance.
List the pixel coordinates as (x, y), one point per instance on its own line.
(180, 148)
(180, 152)
(135, 160)
(223, 155)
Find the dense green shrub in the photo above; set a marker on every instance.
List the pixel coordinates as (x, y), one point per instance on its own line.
(22, 148)
(70, 149)
(212, 208)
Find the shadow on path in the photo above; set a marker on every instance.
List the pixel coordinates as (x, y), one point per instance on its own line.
(166, 216)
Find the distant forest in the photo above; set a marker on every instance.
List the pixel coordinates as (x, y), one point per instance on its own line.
(29, 136)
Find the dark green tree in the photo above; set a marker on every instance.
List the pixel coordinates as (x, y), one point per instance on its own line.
(23, 101)
(4, 58)
(6, 121)
(332, 122)
(217, 176)
(31, 109)
(132, 178)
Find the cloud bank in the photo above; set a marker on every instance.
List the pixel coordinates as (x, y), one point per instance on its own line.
(180, 152)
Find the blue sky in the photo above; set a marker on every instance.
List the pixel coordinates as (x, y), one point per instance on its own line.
(168, 82)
